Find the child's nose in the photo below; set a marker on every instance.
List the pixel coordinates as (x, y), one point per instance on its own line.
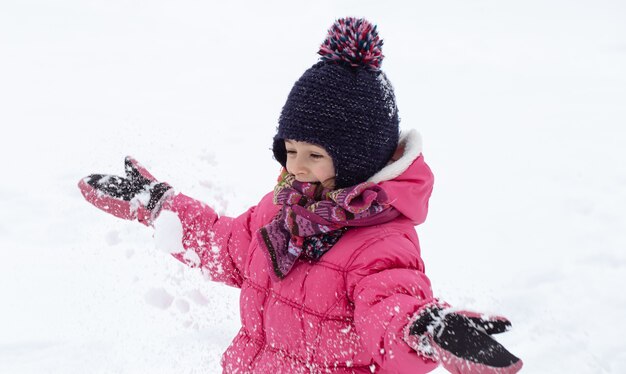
(299, 166)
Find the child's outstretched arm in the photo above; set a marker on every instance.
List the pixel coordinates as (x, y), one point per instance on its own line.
(217, 245)
(405, 328)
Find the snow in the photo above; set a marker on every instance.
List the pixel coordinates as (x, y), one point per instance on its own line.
(113, 237)
(158, 297)
(168, 233)
(520, 105)
(192, 258)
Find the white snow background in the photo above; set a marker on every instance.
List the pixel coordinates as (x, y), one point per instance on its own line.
(521, 105)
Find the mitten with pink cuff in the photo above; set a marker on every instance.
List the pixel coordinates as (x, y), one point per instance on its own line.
(138, 195)
(461, 340)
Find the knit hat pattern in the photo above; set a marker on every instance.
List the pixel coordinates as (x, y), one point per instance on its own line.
(345, 104)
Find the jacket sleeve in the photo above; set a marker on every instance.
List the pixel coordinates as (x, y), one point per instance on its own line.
(217, 245)
(387, 285)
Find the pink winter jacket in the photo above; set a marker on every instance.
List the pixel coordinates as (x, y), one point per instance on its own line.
(342, 314)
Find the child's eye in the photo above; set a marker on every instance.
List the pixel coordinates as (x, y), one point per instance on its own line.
(316, 156)
(291, 152)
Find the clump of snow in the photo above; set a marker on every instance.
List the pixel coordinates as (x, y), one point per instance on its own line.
(102, 181)
(388, 94)
(197, 297)
(168, 233)
(182, 305)
(208, 157)
(113, 237)
(191, 258)
(141, 199)
(159, 298)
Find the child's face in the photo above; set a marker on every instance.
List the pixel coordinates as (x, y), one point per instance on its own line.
(310, 163)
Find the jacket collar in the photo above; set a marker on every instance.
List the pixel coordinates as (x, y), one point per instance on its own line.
(409, 149)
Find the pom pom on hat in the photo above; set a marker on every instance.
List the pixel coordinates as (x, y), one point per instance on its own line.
(354, 41)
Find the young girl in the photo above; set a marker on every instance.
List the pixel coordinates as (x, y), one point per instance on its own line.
(329, 262)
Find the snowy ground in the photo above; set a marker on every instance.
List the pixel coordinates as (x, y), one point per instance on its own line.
(521, 106)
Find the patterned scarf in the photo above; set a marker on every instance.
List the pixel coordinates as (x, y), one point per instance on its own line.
(313, 218)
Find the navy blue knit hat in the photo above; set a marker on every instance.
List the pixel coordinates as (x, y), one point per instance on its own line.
(345, 104)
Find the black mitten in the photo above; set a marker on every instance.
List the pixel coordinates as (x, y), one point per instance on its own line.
(461, 341)
(138, 195)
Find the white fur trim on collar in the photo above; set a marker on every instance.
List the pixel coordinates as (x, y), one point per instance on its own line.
(412, 143)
